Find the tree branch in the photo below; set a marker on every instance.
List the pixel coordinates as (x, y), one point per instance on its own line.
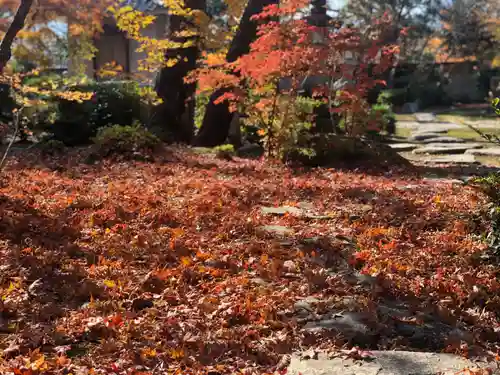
(14, 28)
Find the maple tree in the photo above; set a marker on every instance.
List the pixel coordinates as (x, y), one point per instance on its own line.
(217, 118)
(32, 24)
(286, 51)
(176, 266)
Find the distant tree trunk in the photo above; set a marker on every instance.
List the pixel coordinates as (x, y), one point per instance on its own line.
(174, 118)
(217, 120)
(14, 28)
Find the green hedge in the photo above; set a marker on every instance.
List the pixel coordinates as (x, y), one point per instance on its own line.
(113, 103)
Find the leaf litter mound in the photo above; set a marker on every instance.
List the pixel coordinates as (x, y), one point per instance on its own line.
(177, 266)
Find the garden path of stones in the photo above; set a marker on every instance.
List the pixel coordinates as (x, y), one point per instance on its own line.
(391, 320)
(429, 139)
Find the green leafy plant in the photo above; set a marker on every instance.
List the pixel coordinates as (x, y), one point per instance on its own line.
(382, 116)
(51, 147)
(490, 186)
(496, 105)
(129, 140)
(493, 138)
(112, 103)
(76, 122)
(225, 151)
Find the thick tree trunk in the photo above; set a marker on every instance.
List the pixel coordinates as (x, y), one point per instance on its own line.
(174, 118)
(14, 28)
(217, 121)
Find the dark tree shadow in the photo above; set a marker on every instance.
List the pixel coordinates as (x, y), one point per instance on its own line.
(37, 247)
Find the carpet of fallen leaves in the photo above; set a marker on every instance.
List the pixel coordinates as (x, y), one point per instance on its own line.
(156, 268)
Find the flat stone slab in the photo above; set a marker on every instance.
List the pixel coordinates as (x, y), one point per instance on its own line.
(401, 147)
(430, 129)
(281, 211)
(443, 139)
(349, 323)
(407, 124)
(422, 136)
(305, 210)
(446, 148)
(276, 230)
(387, 363)
(425, 117)
(492, 151)
(438, 127)
(458, 159)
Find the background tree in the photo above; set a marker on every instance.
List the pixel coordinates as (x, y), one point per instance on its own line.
(418, 18)
(468, 29)
(217, 120)
(175, 115)
(15, 27)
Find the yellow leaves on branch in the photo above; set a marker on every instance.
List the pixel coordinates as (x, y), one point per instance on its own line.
(27, 96)
(109, 70)
(130, 20)
(134, 22)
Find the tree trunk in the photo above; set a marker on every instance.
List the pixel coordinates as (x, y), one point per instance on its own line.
(217, 120)
(174, 118)
(14, 28)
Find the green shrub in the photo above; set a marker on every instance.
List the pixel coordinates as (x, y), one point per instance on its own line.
(396, 97)
(490, 186)
(225, 151)
(113, 103)
(496, 105)
(126, 140)
(382, 115)
(202, 101)
(73, 122)
(51, 147)
(330, 150)
(7, 103)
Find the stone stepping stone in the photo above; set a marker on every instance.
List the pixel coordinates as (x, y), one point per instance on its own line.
(443, 139)
(446, 148)
(401, 147)
(438, 127)
(275, 230)
(422, 136)
(282, 211)
(492, 151)
(450, 159)
(349, 324)
(425, 117)
(388, 362)
(407, 124)
(305, 210)
(423, 130)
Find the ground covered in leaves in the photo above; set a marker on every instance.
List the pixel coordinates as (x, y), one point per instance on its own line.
(175, 267)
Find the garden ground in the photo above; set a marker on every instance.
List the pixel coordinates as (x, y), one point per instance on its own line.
(193, 263)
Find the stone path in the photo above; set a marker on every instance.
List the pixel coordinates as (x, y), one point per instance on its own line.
(446, 148)
(491, 151)
(318, 315)
(388, 363)
(429, 140)
(425, 117)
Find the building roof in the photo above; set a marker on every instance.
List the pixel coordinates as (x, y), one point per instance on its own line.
(144, 5)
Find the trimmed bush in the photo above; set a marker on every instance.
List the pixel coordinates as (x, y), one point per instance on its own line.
(113, 103)
(382, 115)
(51, 147)
(7, 103)
(130, 141)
